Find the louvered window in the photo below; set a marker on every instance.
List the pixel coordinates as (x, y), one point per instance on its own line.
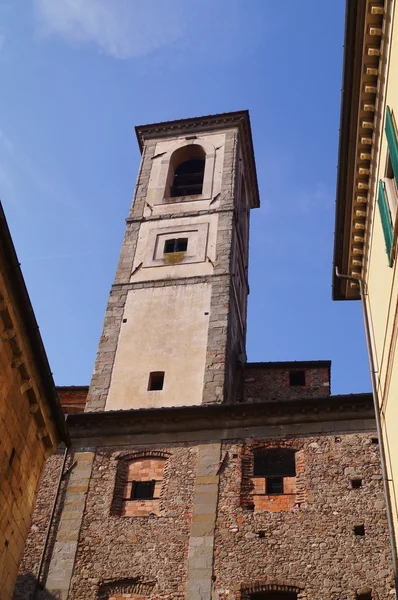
(385, 220)
(391, 134)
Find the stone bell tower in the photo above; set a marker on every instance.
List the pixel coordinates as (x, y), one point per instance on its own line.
(175, 325)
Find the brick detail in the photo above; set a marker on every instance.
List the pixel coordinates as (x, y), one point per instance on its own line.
(138, 466)
(125, 589)
(253, 489)
(265, 384)
(258, 587)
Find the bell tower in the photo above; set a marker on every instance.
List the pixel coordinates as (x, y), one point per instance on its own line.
(175, 325)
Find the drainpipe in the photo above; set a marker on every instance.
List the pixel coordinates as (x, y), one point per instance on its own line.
(50, 522)
(390, 519)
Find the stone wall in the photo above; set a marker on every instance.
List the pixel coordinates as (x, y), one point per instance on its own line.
(208, 542)
(270, 381)
(312, 547)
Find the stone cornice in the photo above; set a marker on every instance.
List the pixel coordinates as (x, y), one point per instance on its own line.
(126, 423)
(365, 48)
(239, 119)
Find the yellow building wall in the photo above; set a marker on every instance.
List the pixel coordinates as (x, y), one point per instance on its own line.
(22, 457)
(382, 299)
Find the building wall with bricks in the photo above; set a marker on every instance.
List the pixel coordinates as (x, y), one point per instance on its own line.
(277, 381)
(31, 420)
(207, 537)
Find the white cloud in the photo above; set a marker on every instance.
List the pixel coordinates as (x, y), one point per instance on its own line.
(118, 28)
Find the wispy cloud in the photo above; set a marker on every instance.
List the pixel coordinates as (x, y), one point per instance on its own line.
(119, 28)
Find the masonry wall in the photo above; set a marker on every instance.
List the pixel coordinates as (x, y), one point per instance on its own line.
(205, 375)
(22, 458)
(27, 437)
(207, 538)
(266, 381)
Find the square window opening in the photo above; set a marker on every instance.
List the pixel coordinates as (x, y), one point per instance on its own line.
(296, 378)
(375, 440)
(359, 530)
(175, 245)
(142, 490)
(356, 484)
(364, 595)
(156, 381)
(274, 485)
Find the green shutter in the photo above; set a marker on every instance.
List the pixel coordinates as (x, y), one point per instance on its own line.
(392, 142)
(385, 220)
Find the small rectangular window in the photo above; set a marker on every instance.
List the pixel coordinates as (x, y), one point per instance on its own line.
(359, 530)
(296, 377)
(274, 485)
(142, 490)
(356, 484)
(156, 381)
(175, 245)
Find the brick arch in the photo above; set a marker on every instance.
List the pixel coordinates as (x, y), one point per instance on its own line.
(124, 461)
(268, 586)
(133, 587)
(247, 458)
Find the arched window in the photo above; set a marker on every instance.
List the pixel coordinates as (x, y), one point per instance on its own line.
(138, 485)
(188, 168)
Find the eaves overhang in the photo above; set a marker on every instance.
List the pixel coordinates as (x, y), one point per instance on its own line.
(110, 427)
(361, 69)
(18, 292)
(239, 119)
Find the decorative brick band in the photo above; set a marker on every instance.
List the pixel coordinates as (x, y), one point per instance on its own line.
(124, 586)
(256, 587)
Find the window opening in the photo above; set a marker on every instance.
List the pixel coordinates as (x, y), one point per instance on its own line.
(359, 530)
(156, 380)
(356, 483)
(188, 178)
(365, 595)
(296, 377)
(142, 490)
(175, 245)
(375, 440)
(274, 485)
(278, 462)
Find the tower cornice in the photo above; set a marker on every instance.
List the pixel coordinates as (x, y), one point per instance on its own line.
(239, 119)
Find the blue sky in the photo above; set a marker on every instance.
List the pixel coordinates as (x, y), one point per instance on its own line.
(77, 75)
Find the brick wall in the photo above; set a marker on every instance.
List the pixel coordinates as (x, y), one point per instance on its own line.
(23, 452)
(72, 398)
(270, 381)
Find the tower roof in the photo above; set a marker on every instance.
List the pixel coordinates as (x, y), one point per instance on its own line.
(239, 119)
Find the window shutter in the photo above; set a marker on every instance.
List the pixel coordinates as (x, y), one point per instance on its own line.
(385, 220)
(392, 142)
